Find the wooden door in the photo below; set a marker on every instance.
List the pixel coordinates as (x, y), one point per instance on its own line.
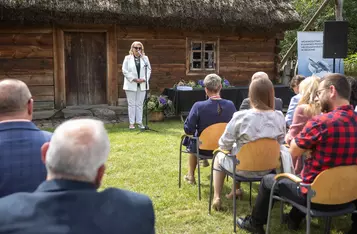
(86, 68)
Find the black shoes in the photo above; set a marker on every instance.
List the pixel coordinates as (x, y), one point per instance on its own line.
(292, 225)
(248, 224)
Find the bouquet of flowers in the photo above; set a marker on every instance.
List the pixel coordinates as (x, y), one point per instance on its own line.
(160, 104)
(225, 83)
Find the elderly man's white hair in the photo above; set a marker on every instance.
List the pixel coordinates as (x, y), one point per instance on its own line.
(77, 149)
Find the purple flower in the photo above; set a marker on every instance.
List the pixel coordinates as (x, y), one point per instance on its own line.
(162, 101)
(200, 82)
(226, 82)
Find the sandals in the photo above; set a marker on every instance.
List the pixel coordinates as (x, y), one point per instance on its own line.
(190, 179)
(239, 194)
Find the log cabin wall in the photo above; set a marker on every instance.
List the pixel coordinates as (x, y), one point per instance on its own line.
(27, 55)
(239, 57)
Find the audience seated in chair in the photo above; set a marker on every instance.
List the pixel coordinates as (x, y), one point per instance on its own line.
(306, 109)
(262, 121)
(294, 85)
(68, 201)
(332, 140)
(20, 140)
(245, 105)
(203, 114)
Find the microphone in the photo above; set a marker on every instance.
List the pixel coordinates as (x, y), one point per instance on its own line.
(141, 55)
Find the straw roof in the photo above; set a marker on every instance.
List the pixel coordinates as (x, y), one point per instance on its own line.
(227, 15)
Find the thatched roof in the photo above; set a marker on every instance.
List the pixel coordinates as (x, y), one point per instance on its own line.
(231, 15)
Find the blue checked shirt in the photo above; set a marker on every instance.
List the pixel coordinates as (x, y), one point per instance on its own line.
(21, 168)
(291, 109)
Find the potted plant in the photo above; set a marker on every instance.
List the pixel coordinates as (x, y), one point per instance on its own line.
(159, 107)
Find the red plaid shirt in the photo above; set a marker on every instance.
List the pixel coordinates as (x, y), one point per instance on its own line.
(332, 137)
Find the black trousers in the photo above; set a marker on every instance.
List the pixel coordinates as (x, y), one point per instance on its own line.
(288, 189)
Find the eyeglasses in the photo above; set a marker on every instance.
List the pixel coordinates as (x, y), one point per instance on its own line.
(137, 48)
(318, 92)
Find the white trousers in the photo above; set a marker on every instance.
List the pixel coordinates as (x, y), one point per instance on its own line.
(135, 105)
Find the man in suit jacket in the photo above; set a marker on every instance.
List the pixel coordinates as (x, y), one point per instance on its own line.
(68, 201)
(246, 103)
(21, 169)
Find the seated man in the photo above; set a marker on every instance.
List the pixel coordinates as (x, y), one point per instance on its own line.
(203, 114)
(246, 103)
(331, 145)
(21, 169)
(294, 85)
(68, 201)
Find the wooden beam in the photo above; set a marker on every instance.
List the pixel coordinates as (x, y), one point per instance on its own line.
(59, 68)
(312, 20)
(24, 30)
(112, 61)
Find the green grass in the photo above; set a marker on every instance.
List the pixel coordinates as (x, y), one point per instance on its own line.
(148, 163)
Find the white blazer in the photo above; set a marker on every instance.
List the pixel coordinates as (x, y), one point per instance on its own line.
(130, 72)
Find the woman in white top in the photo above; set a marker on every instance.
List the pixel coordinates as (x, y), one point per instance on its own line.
(262, 121)
(134, 68)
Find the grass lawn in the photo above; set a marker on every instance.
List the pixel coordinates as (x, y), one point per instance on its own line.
(148, 163)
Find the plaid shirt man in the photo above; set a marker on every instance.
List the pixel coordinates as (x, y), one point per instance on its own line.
(332, 137)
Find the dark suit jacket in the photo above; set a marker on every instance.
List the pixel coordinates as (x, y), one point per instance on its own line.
(21, 168)
(73, 207)
(246, 105)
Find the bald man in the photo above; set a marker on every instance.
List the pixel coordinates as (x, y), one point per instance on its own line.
(246, 103)
(68, 201)
(21, 169)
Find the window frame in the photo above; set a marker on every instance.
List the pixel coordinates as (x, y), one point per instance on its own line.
(189, 56)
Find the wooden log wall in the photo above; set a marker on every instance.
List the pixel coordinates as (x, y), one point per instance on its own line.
(239, 56)
(27, 55)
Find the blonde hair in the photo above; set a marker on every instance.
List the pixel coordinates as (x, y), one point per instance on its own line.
(132, 45)
(307, 89)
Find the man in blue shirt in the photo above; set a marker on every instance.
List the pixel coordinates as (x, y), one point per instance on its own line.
(21, 169)
(294, 85)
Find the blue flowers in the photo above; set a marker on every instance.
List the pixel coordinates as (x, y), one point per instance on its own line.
(225, 83)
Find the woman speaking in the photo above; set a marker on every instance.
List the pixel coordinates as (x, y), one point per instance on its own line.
(135, 82)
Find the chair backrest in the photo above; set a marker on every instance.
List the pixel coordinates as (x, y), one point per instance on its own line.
(260, 155)
(337, 185)
(210, 136)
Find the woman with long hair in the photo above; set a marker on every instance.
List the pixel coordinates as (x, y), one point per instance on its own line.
(261, 121)
(305, 110)
(136, 82)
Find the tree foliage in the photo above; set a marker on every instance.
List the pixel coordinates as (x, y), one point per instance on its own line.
(307, 8)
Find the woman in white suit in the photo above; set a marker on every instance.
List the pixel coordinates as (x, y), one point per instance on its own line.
(135, 82)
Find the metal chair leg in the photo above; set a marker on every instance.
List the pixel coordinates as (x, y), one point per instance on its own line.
(199, 178)
(210, 187)
(328, 225)
(250, 194)
(180, 161)
(270, 208)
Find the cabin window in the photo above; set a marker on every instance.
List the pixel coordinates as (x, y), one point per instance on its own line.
(202, 56)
